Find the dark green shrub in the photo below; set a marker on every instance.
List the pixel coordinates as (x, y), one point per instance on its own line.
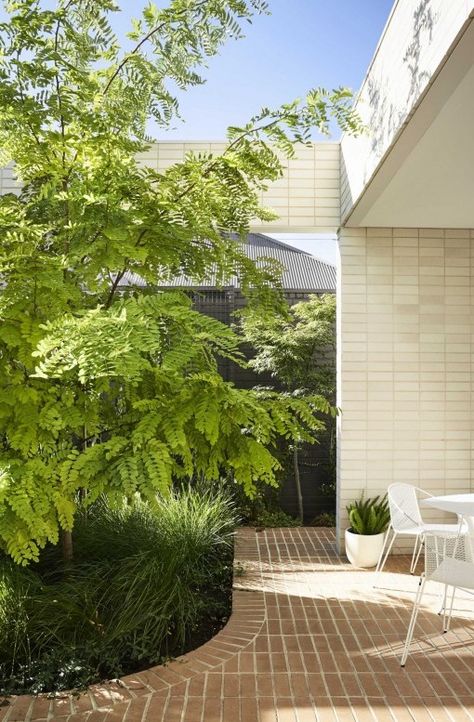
(326, 518)
(146, 583)
(275, 518)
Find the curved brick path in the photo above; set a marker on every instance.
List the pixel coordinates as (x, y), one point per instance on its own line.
(309, 640)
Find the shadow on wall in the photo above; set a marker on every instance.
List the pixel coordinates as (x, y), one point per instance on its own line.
(386, 114)
(386, 117)
(424, 21)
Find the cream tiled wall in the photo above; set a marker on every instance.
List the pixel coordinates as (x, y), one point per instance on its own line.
(8, 181)
(405, 333)
(306, 198)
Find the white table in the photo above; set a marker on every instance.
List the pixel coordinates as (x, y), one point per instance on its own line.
(461, 504)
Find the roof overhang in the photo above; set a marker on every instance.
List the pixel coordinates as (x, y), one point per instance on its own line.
(426, 177)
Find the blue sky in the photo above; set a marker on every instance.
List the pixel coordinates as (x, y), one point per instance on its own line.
(302, 44)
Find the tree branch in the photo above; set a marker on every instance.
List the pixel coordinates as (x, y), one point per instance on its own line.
(232, 145)
(114, 286)
(135, 50)
(143, 41)
(62, 124)
(22, 98)
(57, 81)
(122, 273)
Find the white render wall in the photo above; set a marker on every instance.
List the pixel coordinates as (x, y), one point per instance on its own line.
(417, 39)
(405, 335)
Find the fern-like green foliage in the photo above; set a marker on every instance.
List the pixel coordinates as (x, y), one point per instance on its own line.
(296, 345)
(105, 389)
(369, 516)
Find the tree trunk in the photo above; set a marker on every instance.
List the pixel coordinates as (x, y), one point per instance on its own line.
(299, 495)
(66, 541)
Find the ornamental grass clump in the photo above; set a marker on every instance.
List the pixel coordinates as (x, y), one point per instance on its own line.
(148, 582)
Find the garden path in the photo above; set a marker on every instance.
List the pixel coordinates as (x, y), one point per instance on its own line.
(309, 640)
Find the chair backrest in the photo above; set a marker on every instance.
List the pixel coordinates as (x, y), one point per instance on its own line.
(404, 508)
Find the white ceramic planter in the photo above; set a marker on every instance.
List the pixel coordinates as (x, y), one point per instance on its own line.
(363, 550)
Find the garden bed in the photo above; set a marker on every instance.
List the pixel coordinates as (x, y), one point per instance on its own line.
(145, 585)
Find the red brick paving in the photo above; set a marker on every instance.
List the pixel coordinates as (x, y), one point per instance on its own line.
(310, 640)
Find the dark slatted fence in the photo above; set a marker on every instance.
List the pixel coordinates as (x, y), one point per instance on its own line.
(316, 463)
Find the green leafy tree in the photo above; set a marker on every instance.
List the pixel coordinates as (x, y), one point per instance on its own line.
(102, 390)
(297, 349)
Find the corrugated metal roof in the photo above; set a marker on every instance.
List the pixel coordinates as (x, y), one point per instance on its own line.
(301, 270)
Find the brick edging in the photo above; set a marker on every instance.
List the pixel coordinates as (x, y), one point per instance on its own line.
(245, 622)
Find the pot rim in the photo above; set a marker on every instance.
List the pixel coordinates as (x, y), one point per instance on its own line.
(349, 531)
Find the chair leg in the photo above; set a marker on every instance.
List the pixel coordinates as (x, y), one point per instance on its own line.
(444, 596)
(413, 556)
(386, 549)
(414, 616)
(416, 553)
(447, 618)
(444, 608)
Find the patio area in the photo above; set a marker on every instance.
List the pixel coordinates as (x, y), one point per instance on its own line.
(309, 639)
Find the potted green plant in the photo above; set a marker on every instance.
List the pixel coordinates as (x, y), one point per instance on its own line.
(369, 519)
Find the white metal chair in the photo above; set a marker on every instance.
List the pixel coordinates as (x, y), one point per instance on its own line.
(405, 519)
(448, 560)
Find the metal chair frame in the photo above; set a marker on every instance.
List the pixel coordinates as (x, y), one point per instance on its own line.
(449, 561)
(408, 522)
